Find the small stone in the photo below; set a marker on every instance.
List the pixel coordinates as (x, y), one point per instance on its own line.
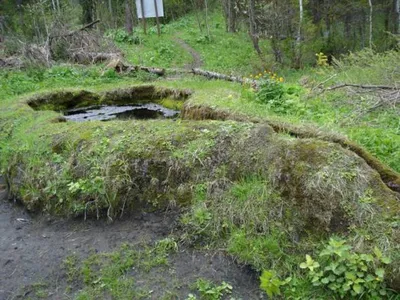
(22, 220)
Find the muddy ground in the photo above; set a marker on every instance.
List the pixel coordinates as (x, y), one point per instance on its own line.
(197, 61)
(32, 249)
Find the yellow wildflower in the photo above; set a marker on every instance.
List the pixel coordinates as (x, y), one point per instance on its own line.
(281, 79)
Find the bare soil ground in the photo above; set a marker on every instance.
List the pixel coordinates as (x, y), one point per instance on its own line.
(32, 250)
(197, 62)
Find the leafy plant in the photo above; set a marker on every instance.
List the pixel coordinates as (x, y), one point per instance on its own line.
(346, 272)
(270, 90)
(210, 291)
(270, 282)
(121, 36)
(278, 97)
(322, 59)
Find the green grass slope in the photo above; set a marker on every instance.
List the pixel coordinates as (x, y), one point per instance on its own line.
(269, 186)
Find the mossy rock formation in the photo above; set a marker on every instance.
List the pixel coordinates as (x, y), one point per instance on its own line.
(62, 100)
(117, 167)
(201, 112)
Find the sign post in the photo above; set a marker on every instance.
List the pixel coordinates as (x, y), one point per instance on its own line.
(158, 20)
(150, 9)
(144, 19)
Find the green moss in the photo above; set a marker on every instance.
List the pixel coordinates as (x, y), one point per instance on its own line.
(68, 99)
(285, 194)
(171, 103)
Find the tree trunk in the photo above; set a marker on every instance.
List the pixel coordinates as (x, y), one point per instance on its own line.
(196, 9)
(88, 11)
(110, 9)
(2, 28)
(370, 22)
(297, 62)
(397, 14)
(230, 15)
(207, 23)
(128, 17)
(252, 23)
(53, 5)
(19, 9)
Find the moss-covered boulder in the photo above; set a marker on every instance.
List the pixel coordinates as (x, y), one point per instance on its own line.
(318, 187)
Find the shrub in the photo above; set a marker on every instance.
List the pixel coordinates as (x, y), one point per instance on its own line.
(279, 97)
(270, 91)
(121, 36)
(270, 283)
(346, 272)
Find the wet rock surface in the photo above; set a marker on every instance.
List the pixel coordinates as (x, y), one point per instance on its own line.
(111, 112)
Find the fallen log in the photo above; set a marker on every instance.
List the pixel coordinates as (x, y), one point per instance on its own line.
(157, 71)
(363, 86)
(84, 57)
(215, 75)
(120, 67)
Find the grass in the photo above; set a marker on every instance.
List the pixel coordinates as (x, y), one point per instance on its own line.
(267, 201)
(378, 130)
(153, 50)
(136, 271)
(120, 272)
(257, 227)
(165, 51)
(253, 235)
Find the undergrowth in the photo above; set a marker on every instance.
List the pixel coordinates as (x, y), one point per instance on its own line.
(114, 273)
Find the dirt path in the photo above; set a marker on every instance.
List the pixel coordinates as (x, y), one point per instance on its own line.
(32, 250)
(197, 62)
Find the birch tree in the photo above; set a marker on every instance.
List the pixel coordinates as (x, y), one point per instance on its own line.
(370, 22)
(299, 36)
(230, 15)
(397, 13)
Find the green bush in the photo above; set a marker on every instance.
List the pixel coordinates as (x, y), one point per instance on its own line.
(347, 273)
(121, 36)
(279, 97)
(270, 91)
(270, 283)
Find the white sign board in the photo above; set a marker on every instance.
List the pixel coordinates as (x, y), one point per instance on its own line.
(149, 8)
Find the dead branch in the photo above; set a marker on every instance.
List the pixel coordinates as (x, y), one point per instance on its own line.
(381, 99)
(11, 62)
(84, 57)
(323, 82)
(362, 86)
(75, 31)
(120, 67)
